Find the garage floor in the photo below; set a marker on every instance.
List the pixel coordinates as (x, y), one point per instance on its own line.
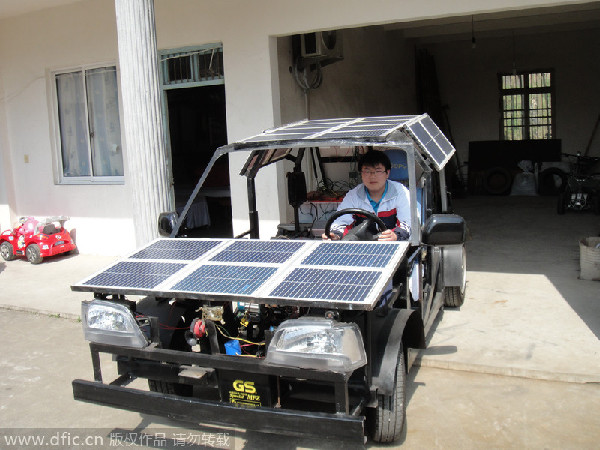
(526, 312)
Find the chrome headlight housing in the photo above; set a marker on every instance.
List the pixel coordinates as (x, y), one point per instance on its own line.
(111, 323)
(321, 344)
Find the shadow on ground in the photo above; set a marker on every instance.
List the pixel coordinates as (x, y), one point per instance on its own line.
(525, 235)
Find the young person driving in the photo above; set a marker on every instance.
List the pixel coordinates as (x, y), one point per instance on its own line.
(387, 199)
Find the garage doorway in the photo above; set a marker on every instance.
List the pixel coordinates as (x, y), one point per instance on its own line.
(195, 110)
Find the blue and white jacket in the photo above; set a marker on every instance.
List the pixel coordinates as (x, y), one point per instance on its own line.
(394, 210)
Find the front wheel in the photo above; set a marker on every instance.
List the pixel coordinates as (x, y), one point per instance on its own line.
(389, 416)
(179, 343)
(33, 254)
(6, 250)
(454, 296)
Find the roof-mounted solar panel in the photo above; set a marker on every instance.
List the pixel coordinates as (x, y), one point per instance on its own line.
(368, 128)
(431, 140)
(354, 131)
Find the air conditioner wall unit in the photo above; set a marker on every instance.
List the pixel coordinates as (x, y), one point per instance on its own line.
(322, 45)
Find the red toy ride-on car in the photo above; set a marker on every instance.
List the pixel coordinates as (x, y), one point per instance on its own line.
(36, 239)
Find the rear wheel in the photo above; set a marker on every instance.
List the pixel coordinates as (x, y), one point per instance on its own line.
(33, 254)
(6, 250)
(389, 416)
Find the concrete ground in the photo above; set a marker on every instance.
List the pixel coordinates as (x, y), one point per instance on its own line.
(526, 311)
(446, 409)
(524, 349)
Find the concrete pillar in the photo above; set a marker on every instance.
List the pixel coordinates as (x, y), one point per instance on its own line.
(142, 116)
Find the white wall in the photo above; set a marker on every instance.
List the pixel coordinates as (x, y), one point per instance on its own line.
(85, 32)
(81, 33)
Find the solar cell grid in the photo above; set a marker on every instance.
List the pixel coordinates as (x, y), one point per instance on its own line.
(258, 251)
(225, 279)
(325, 284)
(143, 275)
(354, 255)
(175, 249)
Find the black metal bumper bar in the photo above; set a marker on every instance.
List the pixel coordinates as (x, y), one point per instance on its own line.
(228, 362)
(193, 410)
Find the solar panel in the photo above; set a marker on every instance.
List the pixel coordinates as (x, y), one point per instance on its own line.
(287, 272)
(363, 127)
(431, 140)
(353, 255)
(224, 279)
(175, 249)
(128, 274)
(276, 252)
(420, 129)
(326, 284)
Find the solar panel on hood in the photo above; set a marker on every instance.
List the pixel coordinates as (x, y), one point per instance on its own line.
(276, 271)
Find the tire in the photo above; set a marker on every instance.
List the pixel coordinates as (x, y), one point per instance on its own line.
(166, 387)
(497, 181)
(389, 417)
(454, 296)
(6, 250)
(33, 254)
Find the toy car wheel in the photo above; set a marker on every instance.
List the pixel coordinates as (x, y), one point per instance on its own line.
(6, 250)
(390, 414)
(33, 254)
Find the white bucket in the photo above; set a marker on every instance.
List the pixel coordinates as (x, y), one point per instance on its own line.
(589, 258)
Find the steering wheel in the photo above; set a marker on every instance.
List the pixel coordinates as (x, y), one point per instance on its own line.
(360, 232)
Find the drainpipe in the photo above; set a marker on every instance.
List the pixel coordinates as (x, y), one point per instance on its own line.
(142, 116)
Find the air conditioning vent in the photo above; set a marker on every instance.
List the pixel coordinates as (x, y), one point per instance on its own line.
(322, 45)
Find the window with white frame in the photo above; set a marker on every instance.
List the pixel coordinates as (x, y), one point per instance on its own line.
(89, 130)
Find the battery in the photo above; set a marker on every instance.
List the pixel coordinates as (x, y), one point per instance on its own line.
(249, 390)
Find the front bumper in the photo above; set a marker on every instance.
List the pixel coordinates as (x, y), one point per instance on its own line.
(341, 425)
(196, 411)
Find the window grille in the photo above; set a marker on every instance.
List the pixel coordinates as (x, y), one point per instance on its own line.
(527, 105)
(199, 66)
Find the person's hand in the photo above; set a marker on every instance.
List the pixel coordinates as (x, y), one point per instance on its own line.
(387, 235)
(333, 237)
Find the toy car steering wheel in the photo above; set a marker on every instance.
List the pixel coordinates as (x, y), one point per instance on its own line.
(360, 232)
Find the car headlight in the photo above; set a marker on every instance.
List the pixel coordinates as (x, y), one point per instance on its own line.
(322, 344)
(111, 323)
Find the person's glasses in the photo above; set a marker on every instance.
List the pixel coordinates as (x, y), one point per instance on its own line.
(369, 173)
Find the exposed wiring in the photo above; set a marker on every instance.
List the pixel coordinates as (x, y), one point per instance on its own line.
(226, 334)
(303, 75)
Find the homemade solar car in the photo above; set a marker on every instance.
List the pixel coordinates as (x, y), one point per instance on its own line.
(285, 335)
